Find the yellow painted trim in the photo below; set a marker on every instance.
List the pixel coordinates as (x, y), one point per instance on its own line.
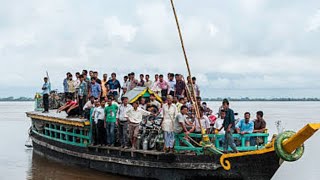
(226, 163)
(300, 137)
(143, 92)
(138, 96)
(58, 120)
(157, 96)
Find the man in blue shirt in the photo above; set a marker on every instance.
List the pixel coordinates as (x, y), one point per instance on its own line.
(95, 89)
(65, 84)
(114, 86)
(245, 126)
(45, 95)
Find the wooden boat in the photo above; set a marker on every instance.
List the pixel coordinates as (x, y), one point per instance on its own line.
(68, 140)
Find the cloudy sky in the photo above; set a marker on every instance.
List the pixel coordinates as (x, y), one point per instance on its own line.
(254, 48)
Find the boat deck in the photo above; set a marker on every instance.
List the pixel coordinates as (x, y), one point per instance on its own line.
(53, 116)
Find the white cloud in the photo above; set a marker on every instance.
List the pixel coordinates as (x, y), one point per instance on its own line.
(229, 45)
(314, 22)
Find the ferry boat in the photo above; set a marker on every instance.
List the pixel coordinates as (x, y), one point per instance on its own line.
(68, 140)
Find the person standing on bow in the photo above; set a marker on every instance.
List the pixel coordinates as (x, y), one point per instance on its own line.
(169, 112)
(46, 88)
(229, 127)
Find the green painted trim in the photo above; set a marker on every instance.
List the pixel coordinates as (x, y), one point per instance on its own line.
(60, 140)
(68, 133)
(189, 146)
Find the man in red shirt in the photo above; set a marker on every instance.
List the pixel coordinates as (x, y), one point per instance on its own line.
(71, 108)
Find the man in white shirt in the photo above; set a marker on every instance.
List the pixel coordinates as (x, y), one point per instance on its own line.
(205, 123)
(218, 126)
(135, 117)
(154, 102)
(172, 84)
(122, 119)
(169, 112)
(87, 107)
(98, 123)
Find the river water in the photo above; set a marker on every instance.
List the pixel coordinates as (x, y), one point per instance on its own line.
(18, 162)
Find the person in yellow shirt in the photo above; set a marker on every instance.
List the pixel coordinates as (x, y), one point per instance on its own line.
(104, 88)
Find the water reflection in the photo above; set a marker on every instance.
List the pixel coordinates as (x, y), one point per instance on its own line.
(43, 168)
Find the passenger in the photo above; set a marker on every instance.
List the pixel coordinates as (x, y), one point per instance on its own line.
(46, 88)
(153, 101)
(65, 85)
(180, 125)
(124, 91)
(229, 126)
(88, 106)
(148, 82)
(91, 74)
(95, 89)
(135, 117)
(95, 75)
(205, 123)
(141, 82)
(111, 119)
(77, 83)
(99, 119)
(143, 104)
(259, 123)
(218, 126)
(132, 82)
(122, 119)
(162, 85)
(169, 112)
(180, 86)
(71, 87)
(207, 111)
(195, 86)
(245, 126)
(190, 89)
(172, 84)
(71, 108)
(82, 95)
(88, 81)
(104, 87)
(180, 103)
(114, 86)
(125, 82)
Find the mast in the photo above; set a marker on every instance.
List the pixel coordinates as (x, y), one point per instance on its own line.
(192, 95)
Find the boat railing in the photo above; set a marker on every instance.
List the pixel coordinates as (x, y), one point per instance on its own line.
(72, 135)
(184, 144)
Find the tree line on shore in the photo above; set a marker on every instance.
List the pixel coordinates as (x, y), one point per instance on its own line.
(11, 98)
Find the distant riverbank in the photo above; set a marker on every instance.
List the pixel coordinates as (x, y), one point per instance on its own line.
(12, 99)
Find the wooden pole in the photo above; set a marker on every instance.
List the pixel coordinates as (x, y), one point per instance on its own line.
(188, 67)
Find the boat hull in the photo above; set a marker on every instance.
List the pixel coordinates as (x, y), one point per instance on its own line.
(157, 165)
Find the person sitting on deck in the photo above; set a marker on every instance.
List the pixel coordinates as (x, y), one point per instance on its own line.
(99, 121)
(71, 108)
(259, 123)
(245, 126)
(259, 127)
(111, 120)
(135, 117)
(228, 125)
(180, 125)
(205, 123)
